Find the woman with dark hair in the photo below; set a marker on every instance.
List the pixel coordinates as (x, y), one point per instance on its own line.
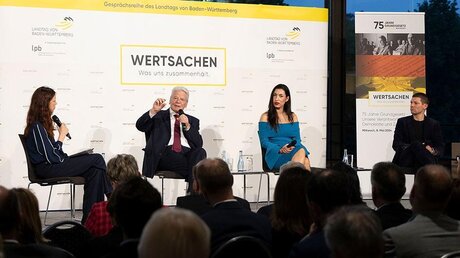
(354, 188)
(289, 214)
(278, 127)
(49, 159)
(30, 225)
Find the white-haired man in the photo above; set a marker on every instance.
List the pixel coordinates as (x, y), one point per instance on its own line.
(173, 140)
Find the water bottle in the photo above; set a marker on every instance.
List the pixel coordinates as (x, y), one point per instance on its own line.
(345, 156)
(240, 162)
(223, 156)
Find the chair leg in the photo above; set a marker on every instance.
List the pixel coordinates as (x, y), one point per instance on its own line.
(162, 188)
(258, 192)
(48, 205)
(72, 201)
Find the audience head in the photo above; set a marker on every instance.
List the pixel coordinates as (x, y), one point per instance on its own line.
(29, 217)
(213, 179)
(290, 208)
(2, 255)
(354, 232)
(175, 233)
(452, 209)
(326, 191)
(431, 190)
(354, 188)
(131, 205)
(388, 183)
(41, 108)
(9, 214)
(121, 168)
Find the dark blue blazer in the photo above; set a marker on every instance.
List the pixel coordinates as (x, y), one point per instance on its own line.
(393, 214)
(229, 219)
(404, 135)
(157, 134)
(313, 245)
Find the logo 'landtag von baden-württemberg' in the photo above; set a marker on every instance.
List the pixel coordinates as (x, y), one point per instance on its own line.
(65, 24)
(294, 33)
(290, 38)
(55, 29)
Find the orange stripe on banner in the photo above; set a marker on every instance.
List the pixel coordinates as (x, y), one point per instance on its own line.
(390, 66)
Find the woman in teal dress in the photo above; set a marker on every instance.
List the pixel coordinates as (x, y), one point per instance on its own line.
(277, 128)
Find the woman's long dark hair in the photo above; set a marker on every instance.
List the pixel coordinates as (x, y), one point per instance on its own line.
(271, 113)
(290, 210)
(39, 110)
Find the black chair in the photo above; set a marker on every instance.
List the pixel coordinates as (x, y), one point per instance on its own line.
(68, 235)
(168, 175)
(243, 247)
(451, 254)
(265, 167)
(34, 179)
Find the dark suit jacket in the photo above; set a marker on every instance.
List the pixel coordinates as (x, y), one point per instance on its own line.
(14, 250)
(229, 219)
(393, 214)
(313, 245)
(198, 204)
(157, 134)
(403, 135)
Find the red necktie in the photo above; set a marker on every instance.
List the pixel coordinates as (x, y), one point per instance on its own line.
(176, 147)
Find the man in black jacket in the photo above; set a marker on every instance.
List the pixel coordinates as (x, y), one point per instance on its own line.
(417, 139)
(388, 186)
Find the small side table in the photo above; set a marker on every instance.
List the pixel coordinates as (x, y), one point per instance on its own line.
(261, 173)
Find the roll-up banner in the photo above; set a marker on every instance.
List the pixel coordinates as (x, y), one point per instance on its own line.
(390, 67)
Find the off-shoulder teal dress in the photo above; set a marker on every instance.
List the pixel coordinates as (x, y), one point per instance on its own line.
(272, 141)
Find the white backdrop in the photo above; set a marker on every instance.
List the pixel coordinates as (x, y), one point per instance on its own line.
(76, 48)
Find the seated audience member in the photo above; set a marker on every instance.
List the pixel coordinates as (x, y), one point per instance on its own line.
(119, 169)
(175, 233)
(431, 233)
(388, 186)
(354, 232)
(354, 187)
(14, 229)
(198, 203)
(327, 190)
(30, 223)
(131, 206)
(453, 207)
(289, 214)
(227, 218)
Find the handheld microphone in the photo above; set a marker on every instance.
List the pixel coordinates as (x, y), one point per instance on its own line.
(58, 122)
(292, 143)
(181, 112)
